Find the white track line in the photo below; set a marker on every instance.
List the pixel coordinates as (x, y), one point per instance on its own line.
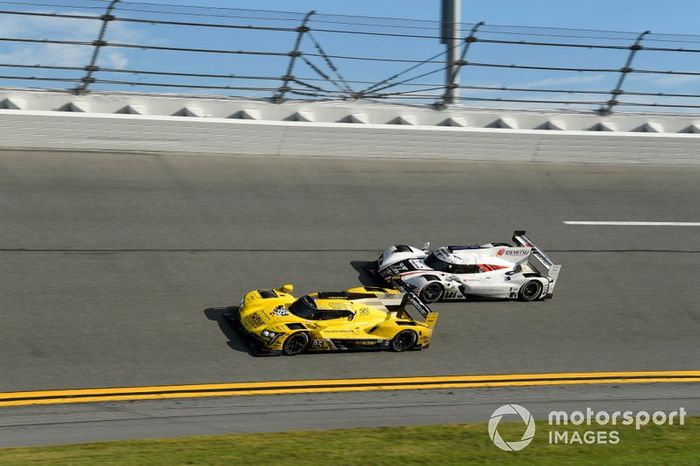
(654, 224)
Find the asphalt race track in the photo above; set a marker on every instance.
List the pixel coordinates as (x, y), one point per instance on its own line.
(114, 267)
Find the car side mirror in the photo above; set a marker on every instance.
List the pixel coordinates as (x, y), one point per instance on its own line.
(286, 288)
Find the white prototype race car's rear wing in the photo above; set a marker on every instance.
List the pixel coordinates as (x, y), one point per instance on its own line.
(409, 297)
(538, 259)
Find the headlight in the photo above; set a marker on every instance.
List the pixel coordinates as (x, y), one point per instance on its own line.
(270, 336)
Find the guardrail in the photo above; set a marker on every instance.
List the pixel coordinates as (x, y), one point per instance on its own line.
(94, 45)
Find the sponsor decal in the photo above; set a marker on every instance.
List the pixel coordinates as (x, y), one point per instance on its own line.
(279, 311)
(334, 305)
(365, 342)
(543, 258)
(343, 343)
(254, 320)
(513, 252)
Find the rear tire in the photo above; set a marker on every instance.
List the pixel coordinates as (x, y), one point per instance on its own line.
(296, 343)
(431, 292)
(404, 340)
(530, 291)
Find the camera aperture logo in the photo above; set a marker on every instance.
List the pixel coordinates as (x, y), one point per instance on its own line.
(524, 415)
(585, 427)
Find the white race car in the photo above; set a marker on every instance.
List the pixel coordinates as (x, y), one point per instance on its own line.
(495, 270)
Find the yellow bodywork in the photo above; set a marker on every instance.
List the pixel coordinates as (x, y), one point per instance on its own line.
(358, 318)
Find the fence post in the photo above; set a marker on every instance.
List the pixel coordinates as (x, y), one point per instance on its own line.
(293, 55)
(459, 64)
(451, 13)
(624, 71)
(86, 80)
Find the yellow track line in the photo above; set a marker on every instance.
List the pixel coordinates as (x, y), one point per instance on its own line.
(91, 395)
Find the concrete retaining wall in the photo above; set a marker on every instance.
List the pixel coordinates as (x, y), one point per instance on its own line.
(102, 132)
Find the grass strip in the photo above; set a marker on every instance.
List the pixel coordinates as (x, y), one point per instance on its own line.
(442, 444)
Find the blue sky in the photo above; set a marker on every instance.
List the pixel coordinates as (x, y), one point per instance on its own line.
(670, 17)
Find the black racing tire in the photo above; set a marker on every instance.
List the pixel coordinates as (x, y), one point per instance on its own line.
(404, 340)
(530, 291)
(296, 343)
(431, 292)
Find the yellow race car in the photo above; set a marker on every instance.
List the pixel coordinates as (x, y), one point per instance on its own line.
(361, 318)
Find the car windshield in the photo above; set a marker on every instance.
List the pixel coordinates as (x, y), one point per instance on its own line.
(304, 307)
(438, 264)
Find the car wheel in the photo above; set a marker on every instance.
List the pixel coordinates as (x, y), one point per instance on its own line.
(530, 291)
(296, 343)
(404, 340)
(431, 292)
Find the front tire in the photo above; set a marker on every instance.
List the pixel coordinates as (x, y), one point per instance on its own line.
(296, 343)
(404, 340)
(530, 291)
(431, 292)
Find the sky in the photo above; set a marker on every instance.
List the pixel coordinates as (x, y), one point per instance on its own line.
(670, 17)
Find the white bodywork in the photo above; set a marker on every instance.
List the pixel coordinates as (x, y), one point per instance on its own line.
(494, 270)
